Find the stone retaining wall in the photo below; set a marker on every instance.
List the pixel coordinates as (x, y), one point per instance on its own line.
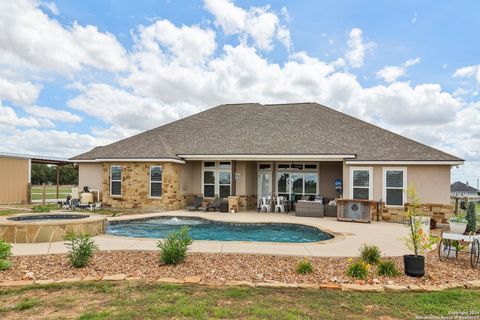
(136, 186)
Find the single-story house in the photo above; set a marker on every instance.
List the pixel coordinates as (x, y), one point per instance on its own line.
(253, 150)
(464, 190)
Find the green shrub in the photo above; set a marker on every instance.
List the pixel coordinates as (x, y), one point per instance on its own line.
(358, 270)
(81, 249)
(387, 268)
(5, 254)
(471, 217)
(304, 266)
(370, 254)
(39, 208)
(173, 249)
(5, 264)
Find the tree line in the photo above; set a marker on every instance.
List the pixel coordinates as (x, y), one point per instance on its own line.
(44, 173)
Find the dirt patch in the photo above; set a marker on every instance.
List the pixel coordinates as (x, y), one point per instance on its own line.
(257, 268)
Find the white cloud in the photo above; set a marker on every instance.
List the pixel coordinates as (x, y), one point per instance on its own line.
(53, 142)
(260, 24)
(9, 120)
(187, 45)
(468, 72)
(119, 108)
(228, 16)
(392, 73)
(50, 6)
(32, 40)
(53, 114)
(18, 92)
(357, 48)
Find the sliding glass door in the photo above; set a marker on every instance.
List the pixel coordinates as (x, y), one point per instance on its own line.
(298, 183)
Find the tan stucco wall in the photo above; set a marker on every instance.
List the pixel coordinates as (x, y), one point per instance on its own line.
(191, 178)
(13, 180)
(432, 182)
(90, 175)
(135, 186)
(328, 172)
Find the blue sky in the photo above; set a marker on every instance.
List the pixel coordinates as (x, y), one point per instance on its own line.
(75, 74)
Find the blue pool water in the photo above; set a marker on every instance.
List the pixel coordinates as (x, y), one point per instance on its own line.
(203, 229)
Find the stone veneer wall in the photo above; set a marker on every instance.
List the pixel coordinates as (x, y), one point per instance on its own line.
(439, 212)
(247, 202)
(135, 186)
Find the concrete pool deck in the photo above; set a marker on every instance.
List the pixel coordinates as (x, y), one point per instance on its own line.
(349, 236)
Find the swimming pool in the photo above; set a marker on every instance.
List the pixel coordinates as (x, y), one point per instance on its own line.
(203, 229)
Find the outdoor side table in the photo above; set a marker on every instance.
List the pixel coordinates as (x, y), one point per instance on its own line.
(452, 244)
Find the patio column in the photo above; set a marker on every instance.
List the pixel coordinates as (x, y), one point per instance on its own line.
(233, 178)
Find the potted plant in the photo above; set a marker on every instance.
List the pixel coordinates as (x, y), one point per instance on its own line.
(458, 224)
(417, 240)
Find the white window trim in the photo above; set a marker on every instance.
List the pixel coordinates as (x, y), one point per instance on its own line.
(111, 180)
(216, 173)
(384, 185)
(370, 180)
(290, 182)
(150, 183)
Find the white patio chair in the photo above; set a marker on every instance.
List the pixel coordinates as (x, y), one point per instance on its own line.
(265, 205)
(279, 204)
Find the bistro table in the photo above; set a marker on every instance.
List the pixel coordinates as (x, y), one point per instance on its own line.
(452, 244)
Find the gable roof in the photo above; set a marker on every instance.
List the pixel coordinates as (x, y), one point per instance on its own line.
(462, 187)
(271, 129)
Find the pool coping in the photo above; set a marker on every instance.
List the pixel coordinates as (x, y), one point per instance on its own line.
(4, 221)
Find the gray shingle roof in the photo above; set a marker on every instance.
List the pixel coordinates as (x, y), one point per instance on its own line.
(300, 128)
(462, 187)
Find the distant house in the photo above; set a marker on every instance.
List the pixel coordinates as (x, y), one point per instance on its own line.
(463, 190)
(253, 151)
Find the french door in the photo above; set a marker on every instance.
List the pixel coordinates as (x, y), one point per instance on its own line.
(264, 184)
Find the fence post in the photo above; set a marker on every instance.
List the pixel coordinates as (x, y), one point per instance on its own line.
(43, 194)
(58, 178)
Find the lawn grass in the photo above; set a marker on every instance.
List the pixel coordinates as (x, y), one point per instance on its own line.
(50, 192)
(124, 300)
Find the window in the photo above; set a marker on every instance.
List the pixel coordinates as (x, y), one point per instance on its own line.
(217, 179)
(394, 182)
(115, 180)
(264, 166)
(156, 173)
(311, 183)
(361, 186)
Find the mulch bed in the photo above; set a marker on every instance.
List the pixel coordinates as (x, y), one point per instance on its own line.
(211, 267)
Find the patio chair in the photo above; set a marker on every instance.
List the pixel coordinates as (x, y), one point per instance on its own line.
(279, 204)
(264, 205)
(215, 205)
(197, 203)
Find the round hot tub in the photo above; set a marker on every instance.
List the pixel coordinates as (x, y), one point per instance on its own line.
(49, 227)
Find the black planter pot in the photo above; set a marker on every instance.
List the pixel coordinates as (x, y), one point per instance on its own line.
(414, 265)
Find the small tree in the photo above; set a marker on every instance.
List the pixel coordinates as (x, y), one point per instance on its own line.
(417, 240)
(471, 217)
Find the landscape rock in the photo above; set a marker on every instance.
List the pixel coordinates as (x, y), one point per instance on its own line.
(16, 283)
(475, 284)
(170, 280)
(193, 279)
(395, 288)
(115, 277)
(67, 280)
(276, 285)
(362, 288)
(240, 283)
(48, 281)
